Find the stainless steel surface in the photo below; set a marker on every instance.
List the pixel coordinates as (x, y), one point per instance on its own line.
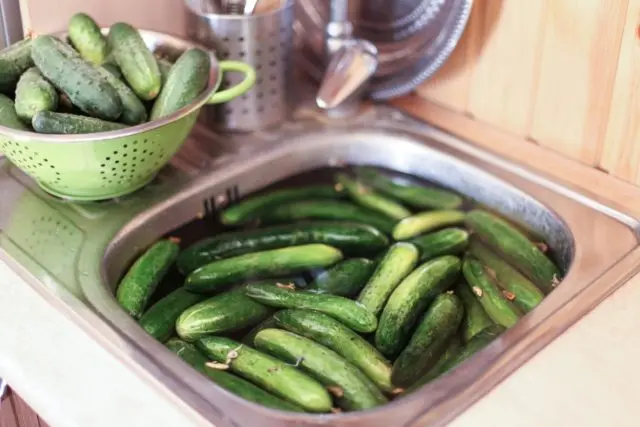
(250, 7)
(10, 22)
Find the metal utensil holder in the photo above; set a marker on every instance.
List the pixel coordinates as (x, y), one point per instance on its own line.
(264, 40)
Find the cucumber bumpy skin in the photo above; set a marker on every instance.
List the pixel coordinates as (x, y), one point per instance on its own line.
(14, 60)
(85, 35)
(34, 94)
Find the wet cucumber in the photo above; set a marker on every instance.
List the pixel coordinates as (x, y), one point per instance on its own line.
(475, 318)
(515, 247)
(160, 319)
(454, 346)
(271, 374)
(424, 222)
(264, 264)
(350, 238)
(33, 94)
(345, 279)
(368, 198)
(133, 110)
(143, 277)
(429, 341)
(14, 60)
(64, 123)
(495, 304)
(398, 262)
(8, 115)
(136, 62)
(227, 312)
(448, 241)
(410, 299)
(236, 385)
(85, 35)
(327, 331)
(353, 390)
(269, 322)
(343, 309)
(164, 66)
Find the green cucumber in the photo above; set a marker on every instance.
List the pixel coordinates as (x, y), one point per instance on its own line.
(85, 35)
(264, 264)
(34, 93)
(343, 309)
(345, 279)
(114, 70)
(254, 206)
(414, 195)
(160, 319)
(267, 372)
(475, 318)
(368, 198)
(495, 304)
(141, 280)
(8, 115)
(448, 241)
(410, 299)
(269, 322)
(424, 222)
(227, 312)
(429, 341)
(14, 60)
(515, 247)
(454, 346)
(353, 390)
(400, 259)
(350, 238)
(327, 331)
(65, 123)
(526, 293)
(133, 110)
(165, 67)
(135, 60)
(236, 385)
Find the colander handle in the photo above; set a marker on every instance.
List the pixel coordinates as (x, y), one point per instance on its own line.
(239, 89)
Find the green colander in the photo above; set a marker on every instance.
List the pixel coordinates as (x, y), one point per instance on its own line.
(105, 165)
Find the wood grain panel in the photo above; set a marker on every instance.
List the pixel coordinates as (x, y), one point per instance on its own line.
(14, 412)
(8, 417)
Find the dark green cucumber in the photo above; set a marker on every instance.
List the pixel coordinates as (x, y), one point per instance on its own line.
(410, 299)
(343, 309)
(85, 35)
(424, 222)
(351, 238)
(526, 293)
(515, 247)
(160, 319)
(269, 322)
(475, 318)
(8, 115)
(448, 241)
(14, 60)
(353, 390)
(400, 259)
(236, 385)
(133, 110)
(414, 195)
(327, 331)
(227, 312)
(113, 69)
(454, 346)
(254, 206)
(139, 283)
(344, 279)
(135, 60)
(33, 94)
(368, 198)
(264, 264)
(165, 67)
(429, 341)
(501, 310)
(64, 123)
(271, 374)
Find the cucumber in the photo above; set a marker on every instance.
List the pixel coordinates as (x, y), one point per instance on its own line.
(475, 318)
(495, 304)
(160, 319)
(264, 264)
(190, 354)
(344, 279)
(526, 293)
(414, 195)
(85, 35)
(85, 86)
(267, 372)
(135, 60)
(345, 310)
(139, 283)
(133, 110)
(356, 392)
(515, 247)
(14, 60)
(165, 67)
(410, 299)
(65, 123)
(448, 241)
(350, 238)
(329, 332)
(400, 259)
(429, 341)
(114, 70)
(368, 198)
(252, 207)
(186, 80)
(424, 222)
(454, 346)
(33, 94)
(227, 312)
(269, 322)
(8, 115)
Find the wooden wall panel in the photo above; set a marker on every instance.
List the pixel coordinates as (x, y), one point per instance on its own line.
(14, 412)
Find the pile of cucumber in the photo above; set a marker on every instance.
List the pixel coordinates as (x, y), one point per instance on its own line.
(94, 83)
(403, 284)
